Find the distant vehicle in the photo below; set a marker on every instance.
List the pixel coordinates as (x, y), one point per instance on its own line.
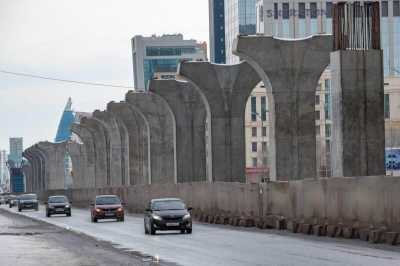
(7, 199)
(13, 201)
(107, 207)
(58, 205)
(167, 214)
(392, 159)
(28, 202)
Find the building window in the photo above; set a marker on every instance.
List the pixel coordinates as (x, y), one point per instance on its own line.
(264, 131)
(254, 162)
(385, 9)
(328, 130)
(264, 146)
(254, 131)
(317, 99)
(318, 130)
(313, 10)
(328, 145)
(387, 106)
(263, 108)
(327, 84)
(302, 10)
(317, 115)
(254, 146)
(328, 106)
(253, 109)
(396, 9)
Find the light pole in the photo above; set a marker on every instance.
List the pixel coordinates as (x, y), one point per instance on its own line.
(264, 159)
(326, 152)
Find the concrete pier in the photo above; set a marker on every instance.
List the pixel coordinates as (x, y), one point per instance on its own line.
(77, 152)
(55, 154)
(44, 176)
(161, 127)
(290, 71)
(29, 172)
(90, 151)
(117, 146)
(36, 168)
(100, 144)
(190, 116)
(225, 90)
(358, 119)
(138, 132)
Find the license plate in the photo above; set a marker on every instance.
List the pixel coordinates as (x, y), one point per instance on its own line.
(28, 206)
(172, 224)
(59, 210)
(109, 214)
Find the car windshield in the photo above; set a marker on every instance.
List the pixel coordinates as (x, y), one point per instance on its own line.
(28, 197)
(169, 205)
(58, 200)
(15, 198)
(107, 201)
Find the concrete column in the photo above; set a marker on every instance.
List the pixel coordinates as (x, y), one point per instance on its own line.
(290, 71)
(190, 116)
(225, 90)
(36, 168)
(32, 163)
(91, 165)
(44, 174)
(78, 156)
(161, 129)
(55, 157)
(27, 169)
(358, 119)
(118, 147)
(138, 131)
(100, 144)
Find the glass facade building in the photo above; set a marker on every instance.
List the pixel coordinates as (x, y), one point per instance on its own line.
(64, 127)
(217, 31)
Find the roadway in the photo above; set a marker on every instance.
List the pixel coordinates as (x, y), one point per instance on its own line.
(223, 245)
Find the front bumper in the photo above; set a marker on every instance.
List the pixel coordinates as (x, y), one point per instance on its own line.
(108, 215)
(59, 210)
(13, 203)
(166, 225)
(27, 206)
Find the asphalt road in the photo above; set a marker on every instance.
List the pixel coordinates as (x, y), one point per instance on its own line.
(223, 245)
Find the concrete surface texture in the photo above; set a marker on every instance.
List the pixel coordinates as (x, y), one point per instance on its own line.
(190, 116)
(117, 147)
(77, 152)
(90, 164)
(290, 71)
(55, 154)
(43, 177)
(161, 127)
(360, 201)
(27, 169)
(358, 119)
(225, 90)
(138, 132)
(37, 171)
(100, 144)
(209, 244)
(31, 173)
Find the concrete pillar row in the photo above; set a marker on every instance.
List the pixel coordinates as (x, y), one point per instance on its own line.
(99, 136)
(225, 90)
(161, 129)
(290, 71)
(42, 171)
(118, 147)
(29, 173)
(77, 152)
(137, 127)
(90, 163)
(34, 163)
(55, 154)
(190, 116)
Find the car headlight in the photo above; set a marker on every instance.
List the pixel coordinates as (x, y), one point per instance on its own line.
(67, 206)
(98, 210)
(156, 217)
(187, 216)
(120, 209)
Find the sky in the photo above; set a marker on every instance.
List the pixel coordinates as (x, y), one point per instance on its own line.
(82, 40)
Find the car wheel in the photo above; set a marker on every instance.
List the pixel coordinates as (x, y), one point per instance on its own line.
(37, 208)
(153, 231)
(122, 219)
(10, 206)
(145, 229)
(182, 231)
(95, 220)
(47, 214)
(19, 209)
(189, 231)
(68, 214)
(91, 219)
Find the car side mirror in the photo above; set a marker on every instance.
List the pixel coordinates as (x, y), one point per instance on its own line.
(92, 204)
(190, 208)
(70, 202)
(45, 203)
(148, 210)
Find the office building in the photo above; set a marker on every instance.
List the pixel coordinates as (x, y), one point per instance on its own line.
(16, 148)
(161, 54)
(300, 19)
(217, 31)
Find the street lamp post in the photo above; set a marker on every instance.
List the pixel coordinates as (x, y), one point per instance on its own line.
(264, 159)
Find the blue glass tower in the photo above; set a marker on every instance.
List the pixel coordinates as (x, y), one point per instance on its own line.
(64, 127)
(217, 31)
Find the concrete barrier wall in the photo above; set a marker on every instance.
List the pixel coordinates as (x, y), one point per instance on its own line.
(361, 201)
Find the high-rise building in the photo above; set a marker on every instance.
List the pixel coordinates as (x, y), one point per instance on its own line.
(4, 173)
(161, 54)
(217, 31)
(240, 18)
(302, 18)
(16, 149)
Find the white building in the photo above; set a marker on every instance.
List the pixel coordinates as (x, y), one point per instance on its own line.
(4, 173)
(161, 54)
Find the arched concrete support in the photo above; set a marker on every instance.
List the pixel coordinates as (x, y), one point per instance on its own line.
(159, 117)
(90, 165)
(28, 157)
(55, 158)
(43, 167)
(118, 143)
(290, 71)
(35, 168)
(77, 152)
(27, 169)
(190, 116)
(100, 144)
(225, 90)
(138, 131)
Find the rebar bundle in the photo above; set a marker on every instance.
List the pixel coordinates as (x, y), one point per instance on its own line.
(356, 26)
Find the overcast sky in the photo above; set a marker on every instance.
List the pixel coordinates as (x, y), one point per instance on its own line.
(84, 40)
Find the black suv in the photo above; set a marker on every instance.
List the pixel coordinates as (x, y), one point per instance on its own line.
(58, 205)
(167, 214)
(28, 202)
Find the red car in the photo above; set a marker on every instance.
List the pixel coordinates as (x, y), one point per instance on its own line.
(107, 207)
